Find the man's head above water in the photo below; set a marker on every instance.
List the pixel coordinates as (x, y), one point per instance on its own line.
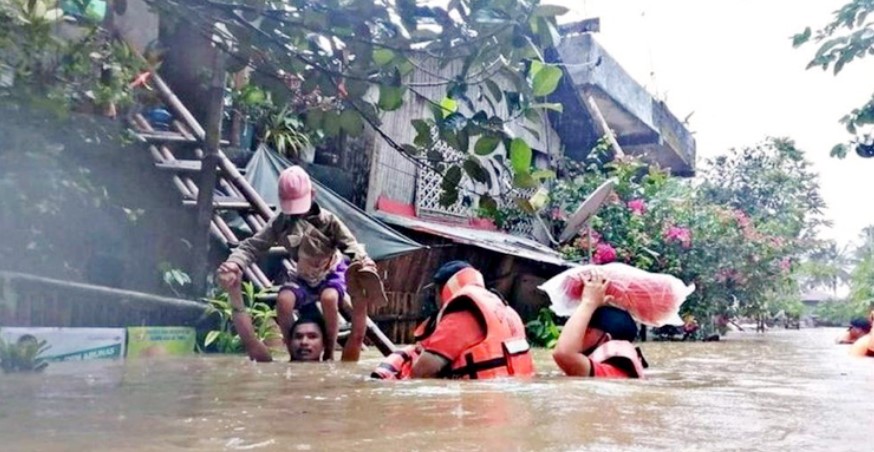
(859, 327)
(307, 339)
(608, 323)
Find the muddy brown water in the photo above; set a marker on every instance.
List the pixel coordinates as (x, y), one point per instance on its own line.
(784, 390)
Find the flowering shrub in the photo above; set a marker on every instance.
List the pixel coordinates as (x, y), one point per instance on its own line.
(604, 254)
(737, 250)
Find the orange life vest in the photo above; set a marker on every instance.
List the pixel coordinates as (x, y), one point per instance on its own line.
(504, 352)
(863, 346)
(622, 354)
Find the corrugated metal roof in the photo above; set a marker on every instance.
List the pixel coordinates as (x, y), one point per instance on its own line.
(490, 240)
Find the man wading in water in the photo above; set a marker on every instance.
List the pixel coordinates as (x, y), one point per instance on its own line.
(864, 346)
(325, 252)
(597, 340)
(306, 336)
(475, 334)
(858, 328)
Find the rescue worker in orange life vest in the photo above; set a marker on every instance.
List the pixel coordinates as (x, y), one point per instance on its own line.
(597, 340)
(474, 335)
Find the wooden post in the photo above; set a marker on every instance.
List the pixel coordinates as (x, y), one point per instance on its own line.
(505, 278)
(599, 117)
(208, 174)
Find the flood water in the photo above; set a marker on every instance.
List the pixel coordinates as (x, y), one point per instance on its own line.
(784, 390)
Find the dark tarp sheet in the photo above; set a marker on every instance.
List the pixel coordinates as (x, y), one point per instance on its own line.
(379, 240)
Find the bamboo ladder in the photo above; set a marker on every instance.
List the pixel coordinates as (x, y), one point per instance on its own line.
(186, 131)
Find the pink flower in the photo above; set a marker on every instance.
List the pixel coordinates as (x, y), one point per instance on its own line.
(637, 206)
(751, 234)
(741, 218)
(604, 254)
(785, 265)
(678, 234)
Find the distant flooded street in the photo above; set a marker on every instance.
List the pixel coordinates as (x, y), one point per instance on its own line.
(785, 390)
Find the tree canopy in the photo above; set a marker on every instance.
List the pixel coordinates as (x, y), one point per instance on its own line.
(352, 60)
(847, 38)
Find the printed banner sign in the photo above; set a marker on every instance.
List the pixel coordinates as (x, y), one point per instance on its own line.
(160, 341)
(71, 344)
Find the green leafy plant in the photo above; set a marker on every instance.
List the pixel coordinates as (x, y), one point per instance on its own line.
(861, 299)
(32, 11)
(94, 70)
(23, 356)
(847, 38)
(543, 331)
(225, 339)
(284, 131)
(477, 66)
(174, 278)
(252, 101)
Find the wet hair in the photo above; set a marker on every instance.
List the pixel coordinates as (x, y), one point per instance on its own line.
(616, 322)
(862, 324)
(314, 319)
(448, 270)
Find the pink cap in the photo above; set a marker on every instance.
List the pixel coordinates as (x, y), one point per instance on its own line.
(295, 191)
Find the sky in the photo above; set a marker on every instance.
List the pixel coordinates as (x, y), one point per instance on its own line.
(733, 65)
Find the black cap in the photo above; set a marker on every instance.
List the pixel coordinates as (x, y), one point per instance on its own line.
(861, 323)
(448, 270)
(616, 322)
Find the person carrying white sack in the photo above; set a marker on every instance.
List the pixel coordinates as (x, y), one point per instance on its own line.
(603, 303)
(597, 339)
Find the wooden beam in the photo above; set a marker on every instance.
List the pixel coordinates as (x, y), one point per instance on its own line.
(188, 189)
(218, 205)
(208, 173)
(180, 166)
(224, 203)
(605, 128)
(505, 277)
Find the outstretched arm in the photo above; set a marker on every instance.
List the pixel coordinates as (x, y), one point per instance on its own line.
(253, 247)
(256, 349)
(429, 365)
